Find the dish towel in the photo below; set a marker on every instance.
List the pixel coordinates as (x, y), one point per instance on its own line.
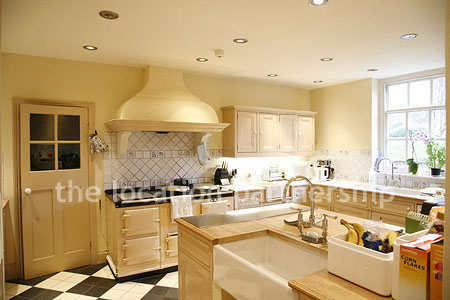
(218, 207)
(181, 206)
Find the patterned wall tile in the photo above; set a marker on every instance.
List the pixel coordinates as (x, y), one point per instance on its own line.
(155, 159)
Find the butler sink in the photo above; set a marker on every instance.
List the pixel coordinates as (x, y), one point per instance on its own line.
(260, 267)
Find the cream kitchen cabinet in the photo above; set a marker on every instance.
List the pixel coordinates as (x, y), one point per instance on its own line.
(259, 131)
(305, 135)
(268, 133)
(248, 132)
(288, 133)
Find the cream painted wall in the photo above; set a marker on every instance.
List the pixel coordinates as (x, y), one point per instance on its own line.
(344, 116)
(107, 86)
(62, 80)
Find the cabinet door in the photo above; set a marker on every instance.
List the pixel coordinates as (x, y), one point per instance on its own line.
(352, 211)
(306, 134)
(288, 133)
(389, 218)
(246, 132)
(142, 250)
(140, 221)
(268, 132)
(195, 281)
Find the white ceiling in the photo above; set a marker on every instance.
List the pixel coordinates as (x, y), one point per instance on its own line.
(287, 37)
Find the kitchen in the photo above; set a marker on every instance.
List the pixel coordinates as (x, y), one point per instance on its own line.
(232, 117)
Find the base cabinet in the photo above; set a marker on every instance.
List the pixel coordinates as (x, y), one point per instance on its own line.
(193, 279)
(351, 211)
(131, 230)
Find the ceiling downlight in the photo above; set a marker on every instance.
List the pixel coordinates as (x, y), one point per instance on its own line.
(109, 15)
(408, 36)
(318, 2)
(240, 41)
(90, 47)
(326, 59)
(372, 70)
(201, 59)
(272, 75)
(318, 81)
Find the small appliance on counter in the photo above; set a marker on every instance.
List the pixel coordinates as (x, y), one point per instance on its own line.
(273, 174)
(304, 168)
(221, 176)
(324, 171)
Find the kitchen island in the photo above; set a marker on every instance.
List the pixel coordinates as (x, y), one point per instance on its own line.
(196, 259)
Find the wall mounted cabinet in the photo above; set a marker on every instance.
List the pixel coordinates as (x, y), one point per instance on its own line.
(259, 131)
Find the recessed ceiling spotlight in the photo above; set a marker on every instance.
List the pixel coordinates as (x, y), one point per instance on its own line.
(318, 81)
(326, 59)
(240, 41)
(109, 15)
(272, 75)
(318, 2)
(201, 59)
(372, 70)
(409, 36)
(90, 47)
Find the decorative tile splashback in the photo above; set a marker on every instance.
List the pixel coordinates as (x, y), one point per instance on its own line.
(155, 159)
(351, 165)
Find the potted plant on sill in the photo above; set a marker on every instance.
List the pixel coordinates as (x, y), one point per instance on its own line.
(413, 163)
(436, 157)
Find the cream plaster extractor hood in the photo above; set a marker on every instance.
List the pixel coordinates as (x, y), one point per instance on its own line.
(164, 104)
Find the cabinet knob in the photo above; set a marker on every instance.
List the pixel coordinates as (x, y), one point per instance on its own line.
(408, 208)
(255, 132)
(337, 196)
(28, 191)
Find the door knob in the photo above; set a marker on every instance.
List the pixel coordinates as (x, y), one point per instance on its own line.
(28, 191)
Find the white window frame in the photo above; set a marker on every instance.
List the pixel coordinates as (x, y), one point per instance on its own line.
(382, 119)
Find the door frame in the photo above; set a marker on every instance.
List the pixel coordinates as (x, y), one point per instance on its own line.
(91, 175)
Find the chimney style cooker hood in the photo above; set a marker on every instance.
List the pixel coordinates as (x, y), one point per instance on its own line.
(164, 104)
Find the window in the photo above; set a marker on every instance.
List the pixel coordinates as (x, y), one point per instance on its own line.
(411, 107)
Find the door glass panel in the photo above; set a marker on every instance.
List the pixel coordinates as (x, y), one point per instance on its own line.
(68, 128)
(42, 127)
(68, 156)
(42, 157)
(396, 125)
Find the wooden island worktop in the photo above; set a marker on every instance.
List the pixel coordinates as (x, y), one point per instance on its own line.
(196, 265)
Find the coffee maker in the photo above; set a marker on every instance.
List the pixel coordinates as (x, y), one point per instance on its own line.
(324, 170)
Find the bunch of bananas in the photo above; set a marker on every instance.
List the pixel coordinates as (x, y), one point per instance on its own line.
(358, 235)
(355, 232)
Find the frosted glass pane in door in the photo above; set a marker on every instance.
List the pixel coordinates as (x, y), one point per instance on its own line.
(68, 128)
(42, 157)
(42, 127)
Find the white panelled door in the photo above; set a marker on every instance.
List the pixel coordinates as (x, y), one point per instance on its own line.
(55, 221)
(268, 132)
(288, 133)
(247, 132)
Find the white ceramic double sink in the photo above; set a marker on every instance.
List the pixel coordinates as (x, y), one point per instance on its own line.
(260, 267)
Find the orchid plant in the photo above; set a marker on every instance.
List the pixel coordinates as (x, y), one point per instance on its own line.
(413, 163)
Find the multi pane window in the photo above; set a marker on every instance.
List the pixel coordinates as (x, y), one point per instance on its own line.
(410, 107)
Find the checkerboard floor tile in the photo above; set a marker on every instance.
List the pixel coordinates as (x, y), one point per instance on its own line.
(93, 282)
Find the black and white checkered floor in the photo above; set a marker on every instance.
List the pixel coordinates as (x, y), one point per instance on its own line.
(93, 282)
